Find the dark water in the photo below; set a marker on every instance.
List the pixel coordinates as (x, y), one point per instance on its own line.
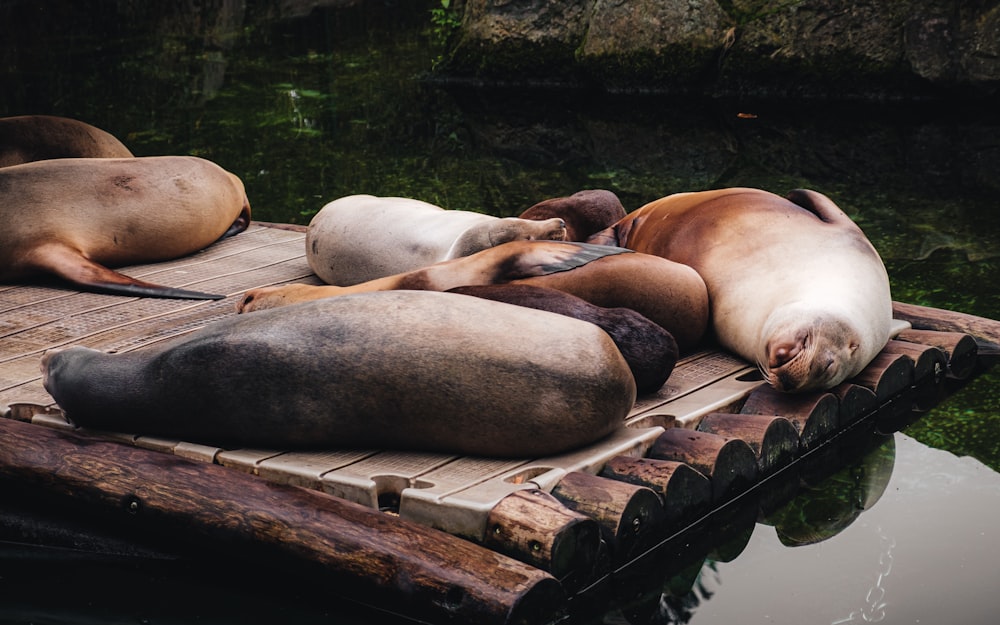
(307, 109)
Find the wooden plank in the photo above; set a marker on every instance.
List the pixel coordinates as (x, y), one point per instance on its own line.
(986, 332)
(424, 572)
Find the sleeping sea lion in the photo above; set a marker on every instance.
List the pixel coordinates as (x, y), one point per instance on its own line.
(28, 138)
(794, 284)
(362, 237)
(71, 217)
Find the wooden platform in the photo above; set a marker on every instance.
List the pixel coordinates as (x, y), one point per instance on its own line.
(711, 433)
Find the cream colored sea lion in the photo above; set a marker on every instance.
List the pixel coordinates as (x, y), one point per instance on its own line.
(362, 237)
(794, 284)
(667, 293)
(396, 370)
(28, 138)
(70, 217)
(585, 212)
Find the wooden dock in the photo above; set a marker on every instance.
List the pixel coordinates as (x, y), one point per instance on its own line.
(552, 527)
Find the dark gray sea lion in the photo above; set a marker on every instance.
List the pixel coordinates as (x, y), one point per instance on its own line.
(669, 294)
(390, 370)
(585, 212)
(794, 284)
(649, 350)
(74, 217)
(28, 138)
(363, 237)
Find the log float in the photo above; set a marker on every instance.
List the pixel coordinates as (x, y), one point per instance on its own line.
(428, 573)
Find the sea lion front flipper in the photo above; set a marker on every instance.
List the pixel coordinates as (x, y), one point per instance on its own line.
(546, 258)
(69, 264)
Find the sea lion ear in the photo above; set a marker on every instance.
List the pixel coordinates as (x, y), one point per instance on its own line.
(853, 347)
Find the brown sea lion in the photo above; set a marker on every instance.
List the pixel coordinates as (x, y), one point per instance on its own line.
(71, 217)
(794, 284)
(649, 350)
(667, 293)
(28, 138)
(362, 237)
(585, 212)
(395, 370)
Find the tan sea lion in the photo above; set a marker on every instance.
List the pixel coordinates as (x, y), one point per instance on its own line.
(794, 284)
(395, 370)
(649, 350)
(362, 237)
(28, 138)
(667, 293)
(70, 217)
(585, 212)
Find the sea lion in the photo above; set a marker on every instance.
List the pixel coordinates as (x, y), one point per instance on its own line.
(70, 217)
(667, 293)
(397, 370)
(794, 284)
(362, 237)
(649, 350)
(28, 138)
(585, 212)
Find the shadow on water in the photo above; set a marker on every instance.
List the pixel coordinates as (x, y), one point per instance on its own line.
(307, 106)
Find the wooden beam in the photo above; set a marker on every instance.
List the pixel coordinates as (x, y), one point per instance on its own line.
(421, 572)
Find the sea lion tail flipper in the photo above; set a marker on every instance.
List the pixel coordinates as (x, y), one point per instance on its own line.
(819, 205)
(74, 267)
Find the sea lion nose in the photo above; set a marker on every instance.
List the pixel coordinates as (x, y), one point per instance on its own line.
(778, 354)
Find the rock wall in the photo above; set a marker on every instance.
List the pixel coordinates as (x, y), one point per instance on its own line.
(797, 48)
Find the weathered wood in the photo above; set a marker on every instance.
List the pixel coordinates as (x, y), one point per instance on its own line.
(685, 493)
(534, 527)
(960, 348)
(418, 570)
(774, 439)
(856, 402)
(888, 375)
(929, 367)
(815, 415)
(986, 332)
(730, 464)
(630, 516)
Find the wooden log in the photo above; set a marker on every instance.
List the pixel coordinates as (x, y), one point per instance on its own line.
(856, 402)
(929, 366)
(685, 493)
(630, 516)
(986, 332)
(534, 527)
(960, 348)
(888, 375)
(730, 464)
(815, 415)
(419, 571)
(774, 439)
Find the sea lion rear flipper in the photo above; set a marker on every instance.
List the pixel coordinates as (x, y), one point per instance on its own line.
(72, 266)
(819, 205)
(240, 224)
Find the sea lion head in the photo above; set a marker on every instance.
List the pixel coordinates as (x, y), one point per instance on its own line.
(510, 229)
(802, 351)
